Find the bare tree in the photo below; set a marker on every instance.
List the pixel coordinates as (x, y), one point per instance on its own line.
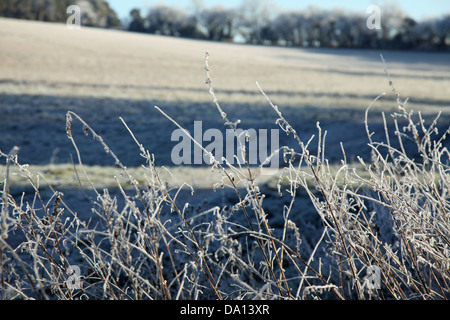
(391, 23)
(137, 22)
(165, 20)
(97, 13)
(443, 31)
(219, 23)
(254, 16)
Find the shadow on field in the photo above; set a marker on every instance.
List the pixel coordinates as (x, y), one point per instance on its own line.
(36, 123)
(287, 93)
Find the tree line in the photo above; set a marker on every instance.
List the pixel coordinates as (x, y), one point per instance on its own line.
(94, 13)
(253, 22)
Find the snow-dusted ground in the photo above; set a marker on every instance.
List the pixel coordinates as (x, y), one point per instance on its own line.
(101, 81)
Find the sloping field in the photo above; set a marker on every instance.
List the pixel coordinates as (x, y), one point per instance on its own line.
(44, 58)
(47, 69)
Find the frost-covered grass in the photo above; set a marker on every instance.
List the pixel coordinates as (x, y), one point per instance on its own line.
(39, 58)
(332, 225)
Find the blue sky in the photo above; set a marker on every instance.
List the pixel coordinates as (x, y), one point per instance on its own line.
(417, 9)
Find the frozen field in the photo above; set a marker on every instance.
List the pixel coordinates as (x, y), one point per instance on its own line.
(47, 70)
(101, 75)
